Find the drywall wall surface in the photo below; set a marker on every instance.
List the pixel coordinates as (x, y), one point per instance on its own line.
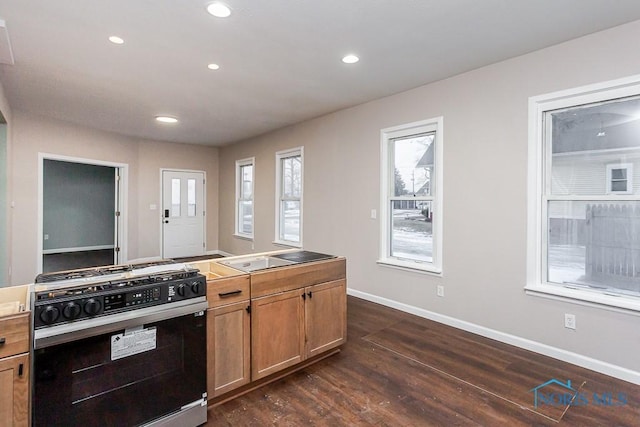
(485, 146)
(5, 171)
(4, 207)
(154, 156)
(32, 135)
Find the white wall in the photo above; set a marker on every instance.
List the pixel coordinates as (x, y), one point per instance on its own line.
(485, 196)
(33, 134)
(5, 168)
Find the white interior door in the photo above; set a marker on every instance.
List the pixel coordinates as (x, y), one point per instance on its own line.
(183, 208)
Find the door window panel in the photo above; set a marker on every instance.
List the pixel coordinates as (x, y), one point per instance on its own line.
(191, 197)
(175, 197)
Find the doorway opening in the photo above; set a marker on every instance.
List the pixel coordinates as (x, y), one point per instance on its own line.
(81, 214)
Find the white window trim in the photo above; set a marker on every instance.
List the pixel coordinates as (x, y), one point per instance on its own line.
(629, 169)
(298, 151)
(239, 164)
(536, 210)
(386, 135)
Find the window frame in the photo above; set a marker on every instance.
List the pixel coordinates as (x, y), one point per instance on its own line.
(539, 193)
(387, 136)
(251, 161)
(279, 229)
(629, 179)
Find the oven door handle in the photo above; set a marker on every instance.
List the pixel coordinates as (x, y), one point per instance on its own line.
(60, 334)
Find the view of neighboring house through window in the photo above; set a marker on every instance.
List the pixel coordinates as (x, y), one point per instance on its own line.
(589, 198)
(411, 187)
(289, 167)
(244, 197)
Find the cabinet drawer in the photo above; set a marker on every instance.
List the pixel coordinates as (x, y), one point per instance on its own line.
(228, 290)
(275, 280)
(14, 334)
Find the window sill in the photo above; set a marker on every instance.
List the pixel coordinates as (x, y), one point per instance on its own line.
(287, 244)
(620, 303)
(243, 236)
(415, 267)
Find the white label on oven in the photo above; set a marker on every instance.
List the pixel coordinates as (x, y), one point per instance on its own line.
(132, 342)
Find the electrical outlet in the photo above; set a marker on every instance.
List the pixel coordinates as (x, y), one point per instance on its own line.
(570, 321)
(46, 237)
(440, 290)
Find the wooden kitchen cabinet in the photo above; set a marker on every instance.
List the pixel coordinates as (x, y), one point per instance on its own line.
(291, 326)
(14, 370)
(277, 332)
(228, 328)
(325, 317)
(228, 348)
(296, 316)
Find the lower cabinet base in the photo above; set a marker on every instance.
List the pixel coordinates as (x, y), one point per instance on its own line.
(271, 378)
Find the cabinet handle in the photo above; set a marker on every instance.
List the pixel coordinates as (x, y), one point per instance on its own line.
(3, 340)
(229, 294)
(310, 295)
(248, 309)
(20, 369)
(304, 296)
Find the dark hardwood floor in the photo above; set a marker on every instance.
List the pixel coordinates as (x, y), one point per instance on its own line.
(401, 370)
(75, 260)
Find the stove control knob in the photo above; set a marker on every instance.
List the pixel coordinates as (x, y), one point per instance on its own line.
(195, 288)
(49, 314)
(92, 307)
(182, 290)
(71, 310)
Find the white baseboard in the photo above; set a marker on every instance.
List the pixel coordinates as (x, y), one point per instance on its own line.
(219, 252)
(547, 350)
(141, 260)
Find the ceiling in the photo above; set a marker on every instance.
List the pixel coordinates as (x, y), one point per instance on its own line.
(280, 60)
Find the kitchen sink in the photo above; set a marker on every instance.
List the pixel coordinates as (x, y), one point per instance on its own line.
(254, 263)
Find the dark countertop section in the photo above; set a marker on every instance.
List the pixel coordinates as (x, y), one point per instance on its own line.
(303, 256)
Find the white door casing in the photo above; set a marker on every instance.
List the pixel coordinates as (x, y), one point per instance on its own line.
(182, 215)
(121, 195)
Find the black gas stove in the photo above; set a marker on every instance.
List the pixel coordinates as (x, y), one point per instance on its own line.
(69, 296)
(103, 337)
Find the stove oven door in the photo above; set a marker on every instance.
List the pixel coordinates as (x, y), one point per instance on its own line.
(126, 377)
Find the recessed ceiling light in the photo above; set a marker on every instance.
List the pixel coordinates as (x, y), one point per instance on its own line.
(213, 66)
(116, 40)
(166, 119)
(350, 59)
(219, 10)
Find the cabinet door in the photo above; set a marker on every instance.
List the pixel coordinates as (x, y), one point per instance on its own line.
(14, 389)
(277, 332)
(325, 316)
(228, 348)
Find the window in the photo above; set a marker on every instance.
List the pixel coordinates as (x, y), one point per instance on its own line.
(175, 198)
(584, 239)
(191, 197)
(244, 197)
(289, 167)
(619, 178)
(411, 220)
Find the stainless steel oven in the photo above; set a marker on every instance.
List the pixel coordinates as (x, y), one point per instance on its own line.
(126, 351)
